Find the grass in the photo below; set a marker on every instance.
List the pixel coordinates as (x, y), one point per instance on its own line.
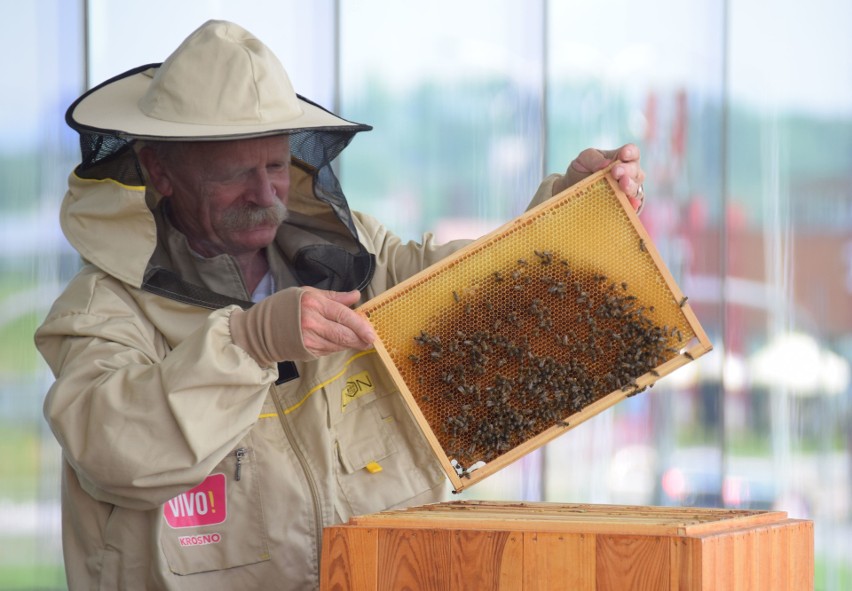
(31, 561)
(32, 577)
(21, 449)
(832, 576)
(18, 354)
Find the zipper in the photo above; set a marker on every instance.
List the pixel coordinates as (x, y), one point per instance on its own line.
(240, 454)
(303, 462)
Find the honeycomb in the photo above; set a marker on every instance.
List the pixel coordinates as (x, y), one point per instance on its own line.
(525, 328)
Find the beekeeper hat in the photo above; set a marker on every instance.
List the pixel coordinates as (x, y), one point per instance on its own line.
(220, 83)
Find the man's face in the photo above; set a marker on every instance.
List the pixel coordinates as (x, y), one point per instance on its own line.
(227, 196)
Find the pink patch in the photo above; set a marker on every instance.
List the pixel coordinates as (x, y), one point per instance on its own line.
(203, 505)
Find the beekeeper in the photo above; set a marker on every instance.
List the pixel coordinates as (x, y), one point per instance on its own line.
(202, 352)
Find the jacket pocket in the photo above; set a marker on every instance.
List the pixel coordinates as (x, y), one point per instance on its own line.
(384, 459)
(218, 524)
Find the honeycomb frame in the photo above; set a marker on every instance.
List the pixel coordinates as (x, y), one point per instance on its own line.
(533, 329)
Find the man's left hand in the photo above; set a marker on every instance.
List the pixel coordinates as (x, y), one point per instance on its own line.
(627, 172)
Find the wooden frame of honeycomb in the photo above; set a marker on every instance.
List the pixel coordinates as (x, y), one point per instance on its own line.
(534, 328)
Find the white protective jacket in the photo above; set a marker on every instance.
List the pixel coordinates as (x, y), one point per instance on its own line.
(186, 464)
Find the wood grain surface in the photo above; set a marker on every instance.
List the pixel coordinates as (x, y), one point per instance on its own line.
(501, 546)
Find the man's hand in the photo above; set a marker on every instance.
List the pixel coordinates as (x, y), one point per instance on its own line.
(627, 173)
(300, 324)
(329, 324)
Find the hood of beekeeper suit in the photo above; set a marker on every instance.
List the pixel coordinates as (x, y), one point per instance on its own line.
(221, 83)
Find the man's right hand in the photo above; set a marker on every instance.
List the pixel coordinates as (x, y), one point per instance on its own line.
(329, 324)
(299, 324)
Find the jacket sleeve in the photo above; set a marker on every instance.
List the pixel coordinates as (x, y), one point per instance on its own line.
(544, 192)
(397, 260)
(140, 421)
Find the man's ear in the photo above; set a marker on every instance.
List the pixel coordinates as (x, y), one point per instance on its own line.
(158, 175)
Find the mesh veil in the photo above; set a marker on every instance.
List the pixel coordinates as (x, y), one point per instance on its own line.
(108, 154)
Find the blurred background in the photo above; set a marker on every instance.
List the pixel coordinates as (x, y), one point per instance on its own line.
(743, 112)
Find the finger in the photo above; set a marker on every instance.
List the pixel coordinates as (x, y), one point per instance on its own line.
(347, 317)
(592, 160)
(329, 325)
(629, 185)
(629, 176)
(610, 155)
(357, 325)
(635, 203)
(347, 298)
(637, 199)
(628, 153)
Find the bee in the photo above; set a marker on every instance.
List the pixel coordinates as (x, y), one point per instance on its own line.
(642, 245)
(683, 301)
(635, 392)
(545, 256)
(455, 296)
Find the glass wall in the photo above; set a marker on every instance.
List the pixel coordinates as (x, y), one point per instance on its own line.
(660, 83)
(788, 319)
(42, 71)
(743, 112)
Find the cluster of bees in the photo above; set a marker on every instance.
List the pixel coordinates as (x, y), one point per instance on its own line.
(525, 349)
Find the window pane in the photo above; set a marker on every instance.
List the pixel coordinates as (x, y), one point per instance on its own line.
(629, 75)
(301, 34)
(37, 151)
(789, 232)
(453, 91)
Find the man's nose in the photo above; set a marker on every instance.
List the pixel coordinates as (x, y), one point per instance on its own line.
(263, 192)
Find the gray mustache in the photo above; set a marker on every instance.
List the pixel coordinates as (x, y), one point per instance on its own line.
(248, 216)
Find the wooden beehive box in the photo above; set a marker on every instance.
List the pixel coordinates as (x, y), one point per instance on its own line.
(482, 546)
(533, 329)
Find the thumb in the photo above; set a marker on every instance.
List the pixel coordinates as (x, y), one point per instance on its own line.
(593, 160)
(347, 298)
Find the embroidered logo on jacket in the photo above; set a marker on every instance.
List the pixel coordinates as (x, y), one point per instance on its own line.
(203, 505)
(203, 540)
(356, 386)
